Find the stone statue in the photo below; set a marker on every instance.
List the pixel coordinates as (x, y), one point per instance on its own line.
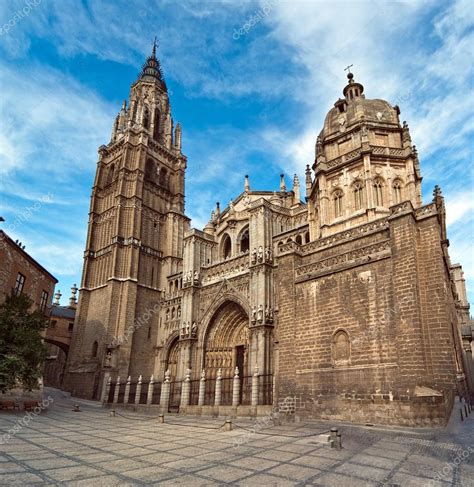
(108, 359)
(254, 314)
(260, 313)
(254, 255)
(260, 253)
(267, 313)
(319, 145)
(196, 277)
(187, 328)
(268, 254)
(182, 332)
(194, 329)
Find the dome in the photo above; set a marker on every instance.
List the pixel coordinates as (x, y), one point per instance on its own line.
(355, 108)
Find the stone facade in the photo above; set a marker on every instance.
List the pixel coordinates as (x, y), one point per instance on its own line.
(347, 303)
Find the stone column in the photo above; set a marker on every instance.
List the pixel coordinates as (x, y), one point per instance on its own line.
(165, 391)
(138, 390)
(236, 388)
(254, 401)
(202, 388)
(116, 392)
(185, 392)
(218, 391)
(127, 391)
(151, 385)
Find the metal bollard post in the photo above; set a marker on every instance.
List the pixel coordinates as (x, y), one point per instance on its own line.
(112, 413)
(161, 418)
(462, 418)
(228, 425)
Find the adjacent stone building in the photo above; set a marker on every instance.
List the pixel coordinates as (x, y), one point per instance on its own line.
(346, 303)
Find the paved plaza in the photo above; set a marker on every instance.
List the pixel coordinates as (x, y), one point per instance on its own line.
(90, 447)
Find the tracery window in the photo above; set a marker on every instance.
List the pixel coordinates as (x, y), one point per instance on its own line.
(337, 202)
(378, 192)
(397, 191)
(358, 191)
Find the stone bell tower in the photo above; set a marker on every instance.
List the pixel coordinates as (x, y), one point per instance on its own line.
(364, 164)
(134, 239)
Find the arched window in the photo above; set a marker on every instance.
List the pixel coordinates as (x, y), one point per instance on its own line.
(95, 346)
(306, 237)
(341, 348)
(244, 240)
(149, 169)
(110, 173)
(163, 177)
(298, 240)
(337, 198)
(378, 192)
(134, 111)
(358, 191)
(146, 118)
(226, 247)
(397, 191)
(157, 125)
(172, 313)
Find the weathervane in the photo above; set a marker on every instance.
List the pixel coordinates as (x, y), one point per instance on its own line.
(348, 68)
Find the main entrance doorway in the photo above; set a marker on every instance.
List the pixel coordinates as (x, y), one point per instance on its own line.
(227, 342)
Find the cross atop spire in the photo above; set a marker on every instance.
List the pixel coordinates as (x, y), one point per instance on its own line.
(155, 45)
(348, 68)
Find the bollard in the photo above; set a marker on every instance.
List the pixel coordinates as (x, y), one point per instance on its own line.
(462, 418)
(161, 418)
(254, 395)
(218, 389)
(465, 411)
(112, 413)
(116, 391)
(228, 425)
(338, 441)
(332, 437)
(149, 395)
(138, 391)
(127, 391)
(236, 388)
(76, 408)
(202, 388)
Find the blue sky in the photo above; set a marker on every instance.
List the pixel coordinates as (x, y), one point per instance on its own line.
(250, 83)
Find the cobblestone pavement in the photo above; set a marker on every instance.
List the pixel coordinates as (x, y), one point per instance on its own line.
(62, 447)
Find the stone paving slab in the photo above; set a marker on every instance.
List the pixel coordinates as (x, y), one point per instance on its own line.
(92, 448)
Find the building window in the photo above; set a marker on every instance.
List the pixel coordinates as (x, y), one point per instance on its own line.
(378, 192)
(245, 241)
(95, 346)
(299, 240)
(397, 191)
(44, 300)
(226, 247)
(70, 326)
(146, 118)
(19, 284)
(337, 203)
(149, 332)
(358, 190)
(341, 347)
(53, 324)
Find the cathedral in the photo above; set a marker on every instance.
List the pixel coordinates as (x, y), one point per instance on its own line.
(333, 299)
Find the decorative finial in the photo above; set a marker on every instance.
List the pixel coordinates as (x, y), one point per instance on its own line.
(348, 69)
(247, 184)
(155, 45)
(57, 297)
(282, 183)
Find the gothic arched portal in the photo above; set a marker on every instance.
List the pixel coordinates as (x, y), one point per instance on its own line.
(227, 341)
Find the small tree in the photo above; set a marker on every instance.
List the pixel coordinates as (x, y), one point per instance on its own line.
(21, 347)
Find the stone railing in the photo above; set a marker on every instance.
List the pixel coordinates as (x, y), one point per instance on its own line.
(227, 268)
(346, 235)
(426, 210)
(353, 256)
